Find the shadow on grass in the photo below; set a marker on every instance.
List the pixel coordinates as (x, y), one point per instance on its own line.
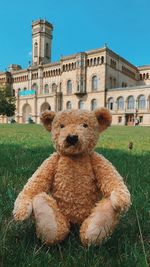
(129, 244)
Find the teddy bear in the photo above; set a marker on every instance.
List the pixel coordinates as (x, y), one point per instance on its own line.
(75, 185)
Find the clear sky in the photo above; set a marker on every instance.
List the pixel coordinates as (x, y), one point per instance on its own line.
(79, 25)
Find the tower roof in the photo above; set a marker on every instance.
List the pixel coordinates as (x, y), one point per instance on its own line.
(42, 21)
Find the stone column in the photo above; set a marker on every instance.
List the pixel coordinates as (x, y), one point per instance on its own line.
(35, 107)
(40, 78)
(29, 79)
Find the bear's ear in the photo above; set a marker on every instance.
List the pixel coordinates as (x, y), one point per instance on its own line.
(47, 118)
(104, 118)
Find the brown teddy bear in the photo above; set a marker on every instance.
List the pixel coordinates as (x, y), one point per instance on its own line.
(75, 184)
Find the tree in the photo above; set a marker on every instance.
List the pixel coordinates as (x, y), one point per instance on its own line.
(7, 102)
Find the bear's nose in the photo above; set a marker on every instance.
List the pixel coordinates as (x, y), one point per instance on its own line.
(72, 139)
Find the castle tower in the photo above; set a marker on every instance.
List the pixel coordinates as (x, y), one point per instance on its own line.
(41, 42)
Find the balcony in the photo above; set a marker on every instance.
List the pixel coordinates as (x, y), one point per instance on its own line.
(80, 93)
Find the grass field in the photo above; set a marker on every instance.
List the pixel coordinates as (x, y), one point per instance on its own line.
(22, 150)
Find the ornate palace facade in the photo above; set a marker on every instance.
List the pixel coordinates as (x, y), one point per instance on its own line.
(85, 80)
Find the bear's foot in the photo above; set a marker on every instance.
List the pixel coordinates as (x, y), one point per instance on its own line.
(99, 225)
(51, 225)
(22, 209)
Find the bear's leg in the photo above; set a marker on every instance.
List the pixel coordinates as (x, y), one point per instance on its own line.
(100, 224)
(51, 224)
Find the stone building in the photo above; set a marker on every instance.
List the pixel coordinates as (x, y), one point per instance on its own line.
(85, 80)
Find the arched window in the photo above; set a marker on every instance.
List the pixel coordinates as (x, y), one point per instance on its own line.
(110, 103)
(69, 87)
(35, 49)
(93, 104)
(34, 87)
(102, 60)
(68, 105)
(81, 104)
(47, 50)
(130, 102)
(94, 83)
(98, 60)
(120, 103)
(54, 87)
(46, 89)
(141, 102)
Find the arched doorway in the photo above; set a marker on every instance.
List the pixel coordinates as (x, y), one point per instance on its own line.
(45, 106)
(26, 113)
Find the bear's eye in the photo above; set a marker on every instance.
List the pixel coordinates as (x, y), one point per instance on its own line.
(85, 125)
(62, 125)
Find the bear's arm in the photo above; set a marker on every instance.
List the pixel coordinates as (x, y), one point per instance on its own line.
(40, 181)
(110, 183)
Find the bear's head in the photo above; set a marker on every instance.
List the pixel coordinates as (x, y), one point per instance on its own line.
(76, 131)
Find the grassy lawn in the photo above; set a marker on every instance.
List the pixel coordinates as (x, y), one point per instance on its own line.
(22, 150)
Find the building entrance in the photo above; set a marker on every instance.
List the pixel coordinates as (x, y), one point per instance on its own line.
(129, 119)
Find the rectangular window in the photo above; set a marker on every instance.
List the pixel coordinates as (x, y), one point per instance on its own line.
(119, 119)
(141, 119)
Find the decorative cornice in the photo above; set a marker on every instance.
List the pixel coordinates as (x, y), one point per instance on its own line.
(112, 53)
(144, 67)
(129, 88)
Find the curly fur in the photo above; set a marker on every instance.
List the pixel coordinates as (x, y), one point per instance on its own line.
(75, 184)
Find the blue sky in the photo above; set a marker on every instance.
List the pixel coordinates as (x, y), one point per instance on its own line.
(79, 25)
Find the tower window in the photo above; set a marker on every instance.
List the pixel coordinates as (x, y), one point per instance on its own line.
(47, 50)
(69, 87)
(35, 49)
(94, 83)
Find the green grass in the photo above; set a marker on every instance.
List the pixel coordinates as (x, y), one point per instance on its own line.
(22, 150)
